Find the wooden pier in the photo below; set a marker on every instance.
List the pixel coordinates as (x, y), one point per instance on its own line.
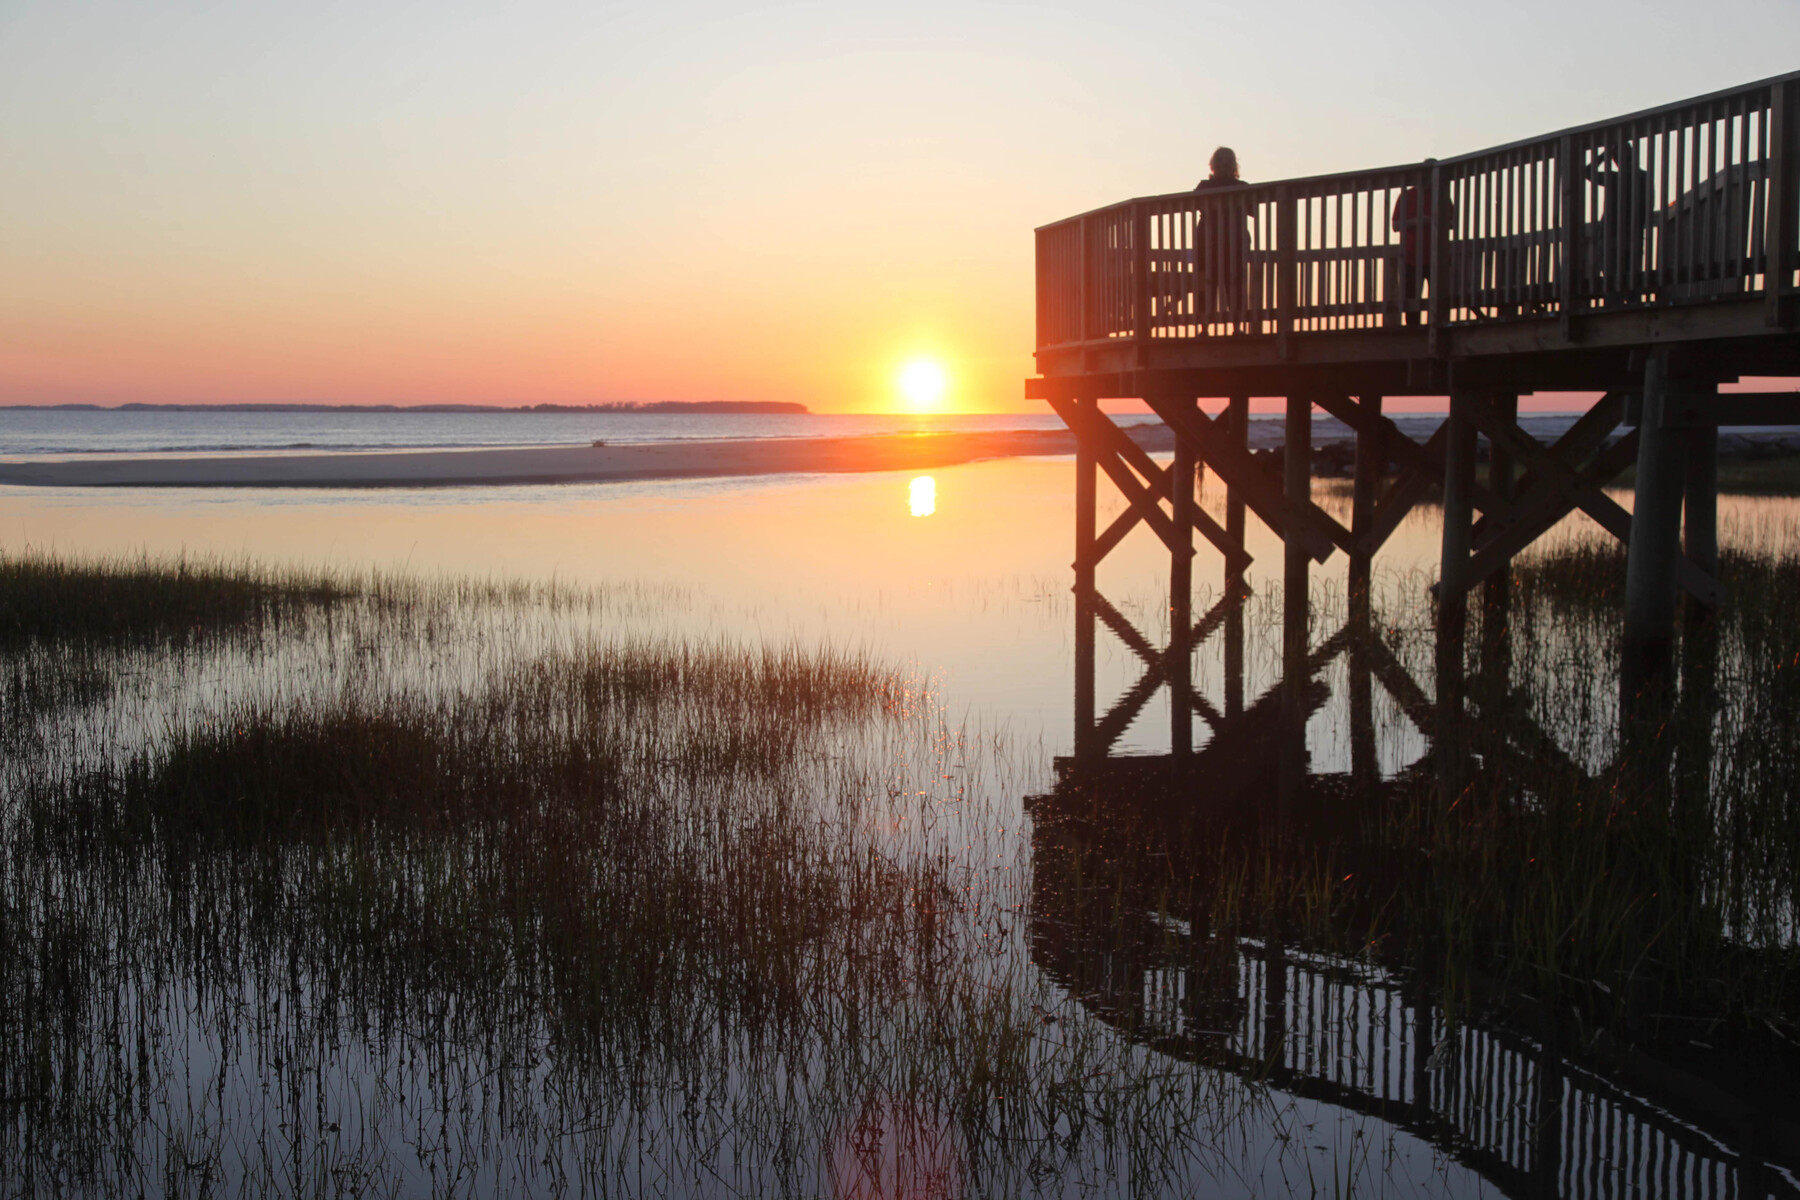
(1650, 258)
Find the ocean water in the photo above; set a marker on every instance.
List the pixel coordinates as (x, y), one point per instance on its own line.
(36, 432)
(49, 433)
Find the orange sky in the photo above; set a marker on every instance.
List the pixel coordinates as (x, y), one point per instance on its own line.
(398, 202)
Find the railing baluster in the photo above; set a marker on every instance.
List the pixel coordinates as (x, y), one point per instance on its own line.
(1713, 215)
(1286, 231)
(1568, 185)
(1779, 210)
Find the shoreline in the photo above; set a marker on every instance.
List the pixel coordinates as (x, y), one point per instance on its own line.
(525, 465)
(1756, 461)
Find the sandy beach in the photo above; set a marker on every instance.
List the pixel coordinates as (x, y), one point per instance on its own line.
(542, 464)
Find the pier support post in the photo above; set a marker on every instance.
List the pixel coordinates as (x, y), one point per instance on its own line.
(1237, 416)
(1086, 479)
(1496, 664)
(1371, 462)
(1655, 533)
(1452, 599)
(1700, 642)
(1296, 457)
(1459, 511)
(1365, 768)
(1179, 656)
(1700, 507)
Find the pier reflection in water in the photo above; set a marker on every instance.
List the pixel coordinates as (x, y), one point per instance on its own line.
(1316, 930)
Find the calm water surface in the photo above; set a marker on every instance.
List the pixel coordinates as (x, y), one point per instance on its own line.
(963, 574)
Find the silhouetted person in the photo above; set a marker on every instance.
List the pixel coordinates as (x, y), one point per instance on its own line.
(1619, 258)
(1223, 166)
(1412, 221)
(1222, 253)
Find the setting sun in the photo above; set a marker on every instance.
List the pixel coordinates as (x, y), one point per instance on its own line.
(923, 383)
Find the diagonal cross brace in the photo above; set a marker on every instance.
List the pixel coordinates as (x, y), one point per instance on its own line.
(1585, 495)
(1403, 497)
(1317, 531)
(1114, 451)
(1164, 482)
(1127, 632)
(1119, 718)
(1422, 467)
(1427, 458)
(1144, 502)
(1542, 507)
(1579, 440)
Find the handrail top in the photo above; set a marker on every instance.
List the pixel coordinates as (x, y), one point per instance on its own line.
(1539, 139)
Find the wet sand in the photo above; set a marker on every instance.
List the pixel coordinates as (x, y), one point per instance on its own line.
(542, 464)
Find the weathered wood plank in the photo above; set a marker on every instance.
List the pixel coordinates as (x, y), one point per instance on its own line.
(1568, 268)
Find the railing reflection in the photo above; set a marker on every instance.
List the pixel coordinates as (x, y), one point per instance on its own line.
(1117, 920)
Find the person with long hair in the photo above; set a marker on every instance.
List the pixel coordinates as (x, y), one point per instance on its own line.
(1223, 166)
(1221, 254)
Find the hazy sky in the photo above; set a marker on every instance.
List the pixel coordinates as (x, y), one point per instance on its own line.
(543, 201)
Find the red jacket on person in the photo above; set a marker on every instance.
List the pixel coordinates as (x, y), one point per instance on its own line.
(1412, 221)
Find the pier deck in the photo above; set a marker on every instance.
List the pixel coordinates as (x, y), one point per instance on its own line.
(1650, 259)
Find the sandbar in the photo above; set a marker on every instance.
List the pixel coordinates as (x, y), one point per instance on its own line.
(542, 464)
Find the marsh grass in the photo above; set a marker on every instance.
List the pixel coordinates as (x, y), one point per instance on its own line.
(457, 887)
(445, 889)
(44, 598)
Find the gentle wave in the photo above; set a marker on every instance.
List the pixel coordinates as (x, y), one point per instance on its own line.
(44, 432)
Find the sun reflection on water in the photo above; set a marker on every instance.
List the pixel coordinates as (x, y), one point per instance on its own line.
(921, 494)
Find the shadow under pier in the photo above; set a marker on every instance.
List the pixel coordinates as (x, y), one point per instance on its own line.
(1189, 904)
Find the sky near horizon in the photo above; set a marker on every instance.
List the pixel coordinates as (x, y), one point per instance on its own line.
(395, 202)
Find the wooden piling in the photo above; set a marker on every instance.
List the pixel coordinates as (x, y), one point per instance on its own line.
(1237, 416)
(1655, 549)
(1295, 604)
(1496, 662)
(1453, 571)
(1459, 511)
(1086, 479)
(1181, 602)
(1371, 463)
(1700, 502)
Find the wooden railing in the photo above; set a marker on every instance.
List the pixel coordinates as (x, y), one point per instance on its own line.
(1676, 205)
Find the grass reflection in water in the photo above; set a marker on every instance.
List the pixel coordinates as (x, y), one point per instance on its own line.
(440, 887)
(371, 885)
